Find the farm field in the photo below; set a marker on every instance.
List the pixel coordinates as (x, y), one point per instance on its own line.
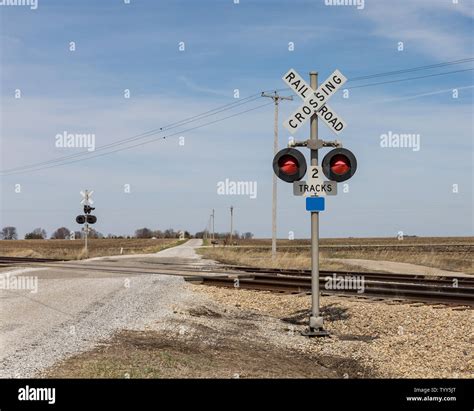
(73, 249)
(446, 253)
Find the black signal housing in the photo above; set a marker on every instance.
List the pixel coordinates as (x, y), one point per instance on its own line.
(289, 165)
(339, 165)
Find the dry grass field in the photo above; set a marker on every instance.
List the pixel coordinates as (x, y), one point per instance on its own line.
(73, 249)
(447, 253)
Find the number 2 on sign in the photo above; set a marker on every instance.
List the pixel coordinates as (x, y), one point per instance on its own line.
(315, 172)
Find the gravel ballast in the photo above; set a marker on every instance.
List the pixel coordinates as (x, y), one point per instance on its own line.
(392, 340)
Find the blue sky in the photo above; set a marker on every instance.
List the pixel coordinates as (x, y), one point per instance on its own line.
(231, 46)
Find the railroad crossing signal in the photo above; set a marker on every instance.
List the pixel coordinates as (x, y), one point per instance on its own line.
(87, 218)
(338, 165)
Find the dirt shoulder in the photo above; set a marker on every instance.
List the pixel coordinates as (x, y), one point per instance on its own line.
(228, 333)
(384, 340)
(205, 340)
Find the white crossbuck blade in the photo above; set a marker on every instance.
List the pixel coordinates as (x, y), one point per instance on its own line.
(87, 200)
(314, 101)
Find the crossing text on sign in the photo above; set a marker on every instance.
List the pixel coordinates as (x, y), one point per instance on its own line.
(322, 93)
(325, 113)
(315, 101)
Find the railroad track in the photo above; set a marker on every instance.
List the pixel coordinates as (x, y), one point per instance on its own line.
(99, 266)
(175, 269)
(368, 276)
(6, 261)
(432, 289)
(442, 290)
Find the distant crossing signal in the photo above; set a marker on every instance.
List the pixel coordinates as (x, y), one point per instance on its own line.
(80, 219)
(289, 165)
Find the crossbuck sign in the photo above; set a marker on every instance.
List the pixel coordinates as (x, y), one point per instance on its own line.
(87, 197)
(314, 101)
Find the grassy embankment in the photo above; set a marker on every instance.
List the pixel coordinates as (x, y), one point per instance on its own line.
(447, 253)
(73, 249)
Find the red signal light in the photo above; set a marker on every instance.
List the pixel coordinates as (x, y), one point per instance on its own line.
(340, 164)
(288, 164)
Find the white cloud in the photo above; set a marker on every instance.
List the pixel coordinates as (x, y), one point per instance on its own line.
(418, 25)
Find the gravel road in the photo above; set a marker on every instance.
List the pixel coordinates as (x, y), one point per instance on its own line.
(74, 309)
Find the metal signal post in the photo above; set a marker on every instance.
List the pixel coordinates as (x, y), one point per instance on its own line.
(315, 320)
(338, 165)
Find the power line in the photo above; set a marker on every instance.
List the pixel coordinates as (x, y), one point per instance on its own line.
(411, 78)
(229, 106)
(141, 143)
(149, 133)
(391, 73)
(431, 66)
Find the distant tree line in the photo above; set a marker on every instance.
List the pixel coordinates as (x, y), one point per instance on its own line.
(169, 233)
(62, 233)
(236, 235)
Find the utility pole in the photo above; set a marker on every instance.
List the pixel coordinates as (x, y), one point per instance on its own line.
(204, 234)
(213, 216)
(231, 222)
(276, 99)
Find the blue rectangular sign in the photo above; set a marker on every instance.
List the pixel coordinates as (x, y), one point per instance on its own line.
(314, 203)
